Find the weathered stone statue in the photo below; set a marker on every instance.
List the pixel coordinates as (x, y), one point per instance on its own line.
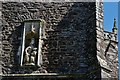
(30, 53)
(31, 43)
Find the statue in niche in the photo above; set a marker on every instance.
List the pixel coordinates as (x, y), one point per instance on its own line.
(30, 50)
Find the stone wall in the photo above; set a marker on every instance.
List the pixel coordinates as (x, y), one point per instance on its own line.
(70, 47)
(111, 52)
(107, 47)
(105, 69)
(0, 38)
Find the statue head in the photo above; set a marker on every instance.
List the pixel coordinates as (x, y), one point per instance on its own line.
(32, 41)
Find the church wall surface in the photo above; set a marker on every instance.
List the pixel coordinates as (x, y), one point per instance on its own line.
(74, 38)
(70, 44)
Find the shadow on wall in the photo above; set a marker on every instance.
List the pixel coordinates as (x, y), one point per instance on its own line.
(72, 45)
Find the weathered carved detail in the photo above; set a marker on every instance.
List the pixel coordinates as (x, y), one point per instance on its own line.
(30, 54)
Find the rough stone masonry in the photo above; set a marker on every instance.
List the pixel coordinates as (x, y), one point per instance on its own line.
(72, 36)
